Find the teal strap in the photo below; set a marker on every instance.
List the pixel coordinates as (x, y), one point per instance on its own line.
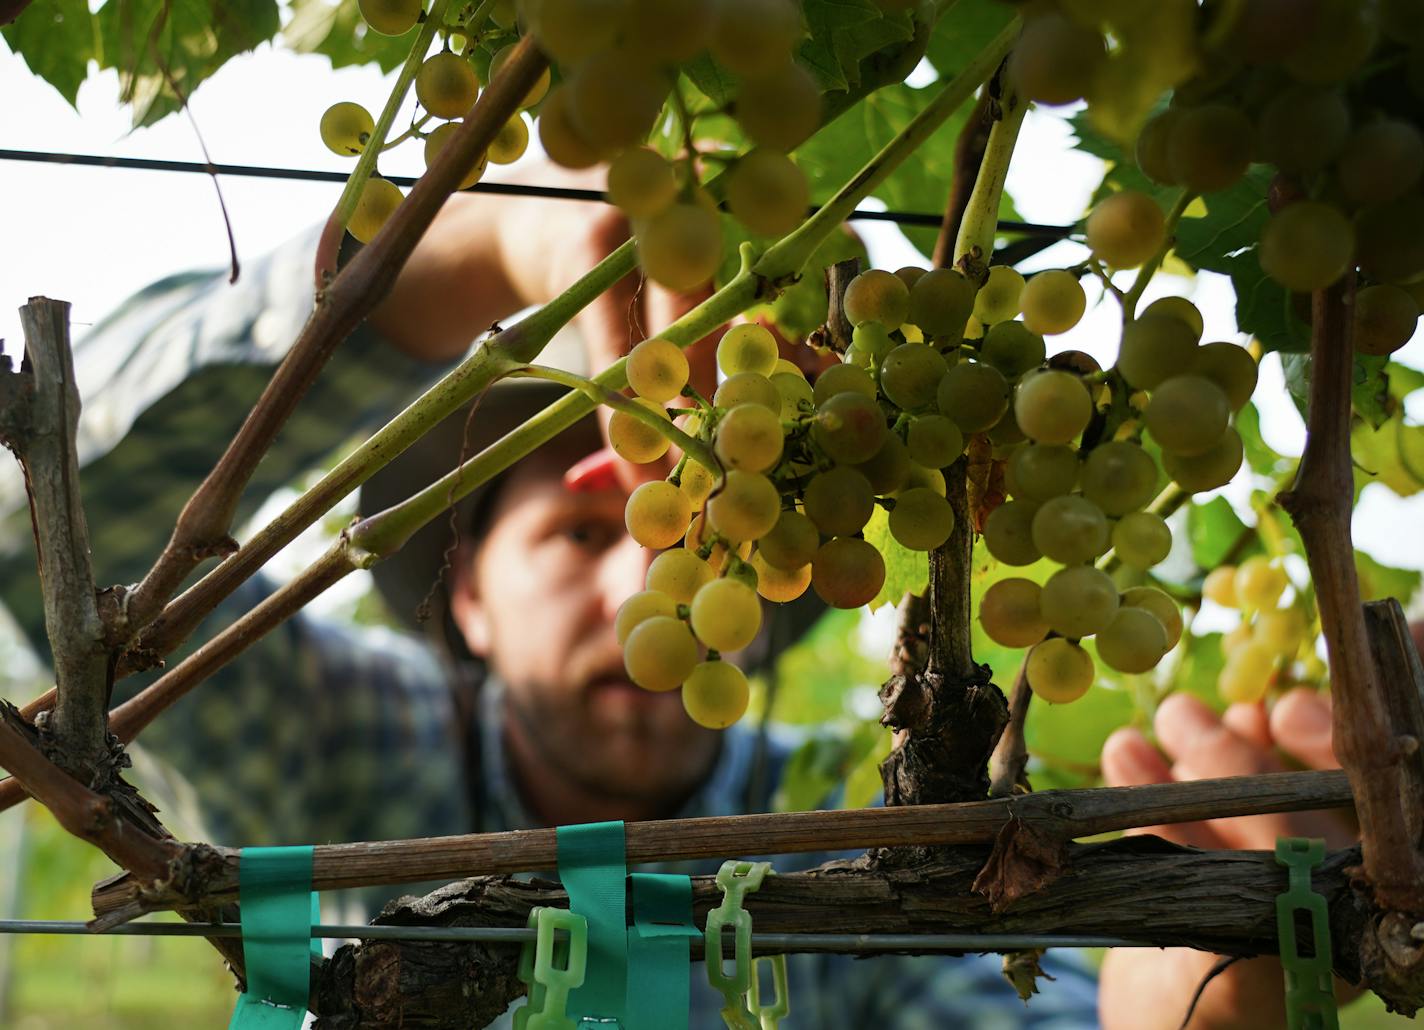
(594, 868)
(1310, 994)
(660, 952)
(278, 909)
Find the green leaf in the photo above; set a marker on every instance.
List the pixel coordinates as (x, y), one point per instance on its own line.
(1260, 456)
(801, 307)
(337, 31)
(55, 38)
(716, 83)
(810, 774)
(1393, 455)
(961, 33)
(1201, 664)
(1378, 581)
(863, 783)
(1370, 394)
(843, 33)
(906, 571)
(164, 49)
(1070, 737)
(1213, 529)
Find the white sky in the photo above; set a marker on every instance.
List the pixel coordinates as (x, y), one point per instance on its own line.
(92, 236)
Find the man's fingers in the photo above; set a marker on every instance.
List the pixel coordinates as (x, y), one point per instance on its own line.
(1251, 723)
(1300, 724)
(1128, 760)
(1201, 747)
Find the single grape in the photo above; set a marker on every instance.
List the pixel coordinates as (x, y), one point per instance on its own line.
(797, 397)
(641, 182)
(921, 519)
(1041, 471)
(911, 274)
(697, 483)
(1259, 583)
(1160, 605)
(1306, 246)
(1213, 468)
(510, 143)
(1126, 229)
(536, 92)
(1385, 319)
(1052, 406)
(1055, 59)
(1151, 148)
(634, 439)
(877, 296)
(1342, 34)
(1053, 302)
(934, 441)
(715, 694)
(1282, 630)
(657, 514)
(1006, 432)
(391, 17)
(1134, 642)
(1210, 147)
(678, 574)
(1070, 529)
(747, 388)
(767, 193)
(378, 201)
(1219, 586)
(749, 437)
(446, 85)
(1230, 367)
(932, 479)
(1078, 601)
(615, 101)
(668, 31)
(746, 507)
(560, 139)
(1001, 296)
(1012, 349)
(910, 375)
(1390, 241)
(1009, 613)
(681, 246)
(847, 572)
(1303, 128)
(1008, 533)
(639, 608)
(849, 427)
(974, 395)
(1179, 308)
(791, 543)
(1141, 539)
(839, 501)
(438, 140)
(843, 378)
(1187, 415)
(346, 128)
(570, 30)
(780, 109)
(702, 537)
(941, 300)
(889, 469)
(725, 615)
(1155, 348)
(1119, 477)
(1059, 671)
(660, 653)
(1246, 676)
(657, 369)
(748, 347)
(755, 37)
(1381, 162)
(780, 585)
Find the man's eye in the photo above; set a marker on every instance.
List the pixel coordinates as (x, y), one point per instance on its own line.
(587, 534)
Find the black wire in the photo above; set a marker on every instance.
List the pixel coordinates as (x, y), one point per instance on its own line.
(912, 218)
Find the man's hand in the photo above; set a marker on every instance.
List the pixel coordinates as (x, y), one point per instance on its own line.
(1198, 745)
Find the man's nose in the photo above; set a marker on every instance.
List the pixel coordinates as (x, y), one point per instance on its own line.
(625, 571)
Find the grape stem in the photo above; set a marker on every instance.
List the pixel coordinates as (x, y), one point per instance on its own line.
(974, 243)
(1147, 271)
(366, 163)
(414, 130)
(601, 394)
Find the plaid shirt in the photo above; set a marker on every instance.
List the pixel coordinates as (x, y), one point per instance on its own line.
(333, 732)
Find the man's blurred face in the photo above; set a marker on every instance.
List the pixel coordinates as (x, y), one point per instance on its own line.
(537, 600)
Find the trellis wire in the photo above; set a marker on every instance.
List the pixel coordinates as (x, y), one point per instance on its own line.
(911, 218)
(845, 942)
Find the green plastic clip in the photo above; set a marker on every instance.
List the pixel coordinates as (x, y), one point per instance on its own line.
(771, 1015)
(1310, 998)
(737, 880)
(552, 968)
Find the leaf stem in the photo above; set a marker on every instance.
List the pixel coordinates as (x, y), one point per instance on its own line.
(975, 243)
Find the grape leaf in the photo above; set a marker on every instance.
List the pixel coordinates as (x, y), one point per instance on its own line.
(338, 32)
(863, 783)
(55, 38)
(1260, 456)
(961, 33)
(843, 33)
(1199, 668)
(1213, 529)
(906, 571)
(1071, 736)
(1393, 455)
(1378, 581)
(163, 49)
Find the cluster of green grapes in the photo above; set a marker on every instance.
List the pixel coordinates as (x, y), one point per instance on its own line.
(446, 86)
(804, 467)
(1271, 634)
(619, 61)
(1328, 92)
(1079, 475)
